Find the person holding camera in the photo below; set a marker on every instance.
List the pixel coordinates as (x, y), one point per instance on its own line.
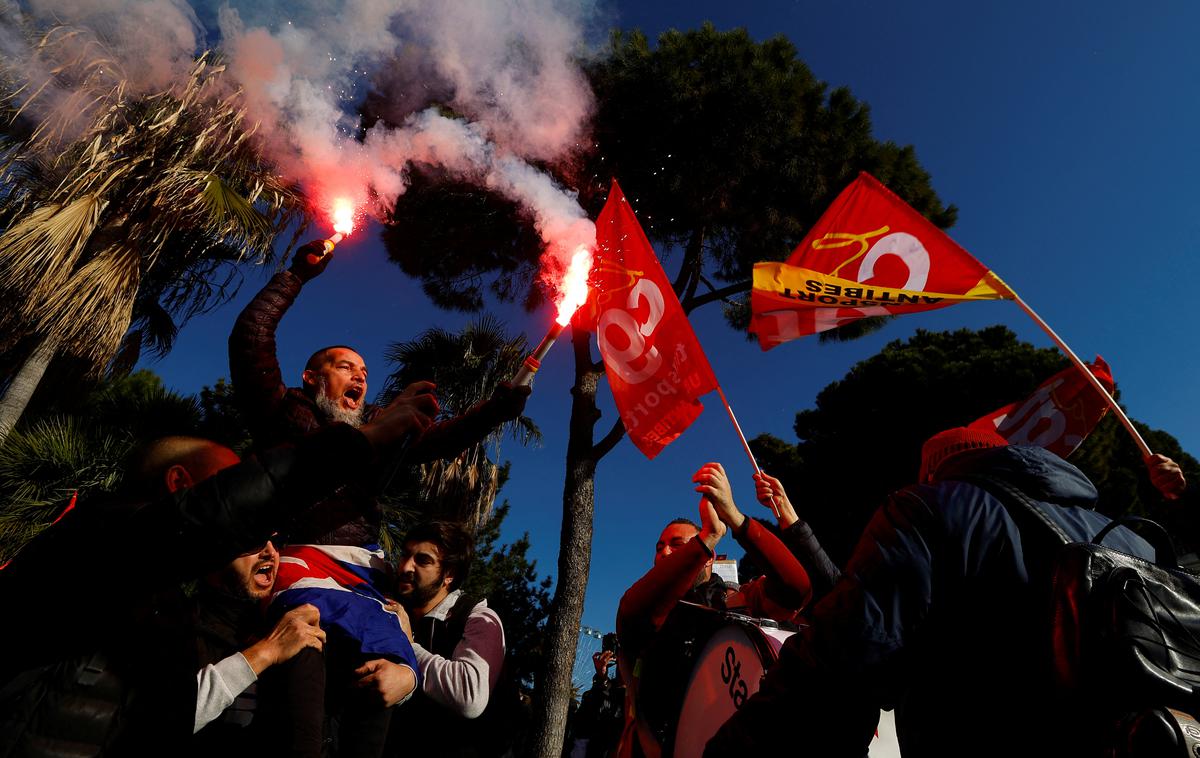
(600, 717)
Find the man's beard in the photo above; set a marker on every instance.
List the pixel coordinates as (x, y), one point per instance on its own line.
(420, 594)
(332, 409)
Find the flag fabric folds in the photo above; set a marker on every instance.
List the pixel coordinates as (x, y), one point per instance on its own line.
(652, 358)
(341, 581)
(870, 254)
(1058, 416)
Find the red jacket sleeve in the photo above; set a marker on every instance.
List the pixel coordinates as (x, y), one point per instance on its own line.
(645, 605)
(787, 582)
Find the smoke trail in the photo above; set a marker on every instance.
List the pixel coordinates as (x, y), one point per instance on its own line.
(507, 66)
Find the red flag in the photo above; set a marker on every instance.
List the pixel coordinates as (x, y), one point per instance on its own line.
(654, 363)
(870, 254)
(1058, 415)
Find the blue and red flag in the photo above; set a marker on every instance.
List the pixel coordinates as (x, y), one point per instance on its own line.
(342, 581)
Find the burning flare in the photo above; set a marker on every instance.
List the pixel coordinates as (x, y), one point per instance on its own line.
(343, 222)
(572, 294)
(343, 216)
(575, 285)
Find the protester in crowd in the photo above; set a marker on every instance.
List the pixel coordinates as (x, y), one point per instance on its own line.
(336, 541)
(934, 616)
(683, 571)
(99, 670)
(597, 724)
(459, 644)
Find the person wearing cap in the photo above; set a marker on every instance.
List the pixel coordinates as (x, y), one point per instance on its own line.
(935, 617)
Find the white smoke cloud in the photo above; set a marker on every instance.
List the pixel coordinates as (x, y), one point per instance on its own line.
(508, 67)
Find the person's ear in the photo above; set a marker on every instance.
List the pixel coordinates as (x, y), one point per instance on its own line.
(447, 578)
(309, 377)
(178, 478)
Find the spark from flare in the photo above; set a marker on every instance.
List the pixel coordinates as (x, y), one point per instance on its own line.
(574, 290)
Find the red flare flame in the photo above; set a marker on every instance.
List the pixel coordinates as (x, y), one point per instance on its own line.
(343, 216)
(574, 289)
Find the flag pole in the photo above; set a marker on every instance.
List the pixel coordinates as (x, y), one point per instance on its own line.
(745, 445)
(1129, 427)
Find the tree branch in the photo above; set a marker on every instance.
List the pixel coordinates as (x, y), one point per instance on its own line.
(610, 440)
(690, 268)
(693, 303)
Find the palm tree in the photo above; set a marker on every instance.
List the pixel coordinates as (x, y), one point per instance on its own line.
(466, 366)
(118, 205)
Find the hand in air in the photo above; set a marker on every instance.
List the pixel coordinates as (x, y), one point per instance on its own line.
(712, 482)
(767, 489)
(413, 410)
(310, 260)
(602, 660)
(1166, 476)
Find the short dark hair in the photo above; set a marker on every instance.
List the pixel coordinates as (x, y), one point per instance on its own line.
(682, 520)
(456, 544)
(317, 359)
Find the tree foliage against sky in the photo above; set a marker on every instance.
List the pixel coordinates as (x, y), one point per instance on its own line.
(863, 439)
(729, 149)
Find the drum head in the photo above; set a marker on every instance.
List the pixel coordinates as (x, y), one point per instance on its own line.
(728, 671)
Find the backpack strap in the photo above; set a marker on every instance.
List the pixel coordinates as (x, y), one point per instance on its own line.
(1008, 495)
(456, 623)
(1164, 551)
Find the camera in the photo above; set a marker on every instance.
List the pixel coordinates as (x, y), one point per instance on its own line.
(609, 643)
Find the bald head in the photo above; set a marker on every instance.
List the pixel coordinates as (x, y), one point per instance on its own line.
(170, 464)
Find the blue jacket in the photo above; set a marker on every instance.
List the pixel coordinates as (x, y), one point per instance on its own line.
(939, 615)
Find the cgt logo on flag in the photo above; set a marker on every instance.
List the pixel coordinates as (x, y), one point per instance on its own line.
(653, 361)
(1058, 416)
(870, 254)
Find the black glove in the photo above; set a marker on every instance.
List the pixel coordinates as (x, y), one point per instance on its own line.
(508, 402)
(310, 260)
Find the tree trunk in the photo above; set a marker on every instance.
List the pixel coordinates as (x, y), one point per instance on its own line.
(23, 385)
(574, 558)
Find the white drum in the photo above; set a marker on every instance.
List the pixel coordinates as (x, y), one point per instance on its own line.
(729, 670)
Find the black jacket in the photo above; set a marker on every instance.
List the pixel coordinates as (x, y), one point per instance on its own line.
(937, 616)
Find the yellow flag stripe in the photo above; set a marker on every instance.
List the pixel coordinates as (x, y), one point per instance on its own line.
(807, 288)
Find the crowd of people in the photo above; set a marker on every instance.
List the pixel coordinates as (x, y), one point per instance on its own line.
(220, 606)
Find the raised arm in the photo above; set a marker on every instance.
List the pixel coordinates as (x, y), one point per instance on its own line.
(798, 536)
(253, 365)
(446, 439)
(788, 582)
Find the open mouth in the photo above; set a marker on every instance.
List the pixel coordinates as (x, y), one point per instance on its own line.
(264, 574)
(352, 397)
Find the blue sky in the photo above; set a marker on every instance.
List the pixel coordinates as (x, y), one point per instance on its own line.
(1064, 132)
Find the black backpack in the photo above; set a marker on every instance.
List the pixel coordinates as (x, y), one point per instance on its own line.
(1124, 631)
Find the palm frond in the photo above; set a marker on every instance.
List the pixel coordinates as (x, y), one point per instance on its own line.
(41, 250)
